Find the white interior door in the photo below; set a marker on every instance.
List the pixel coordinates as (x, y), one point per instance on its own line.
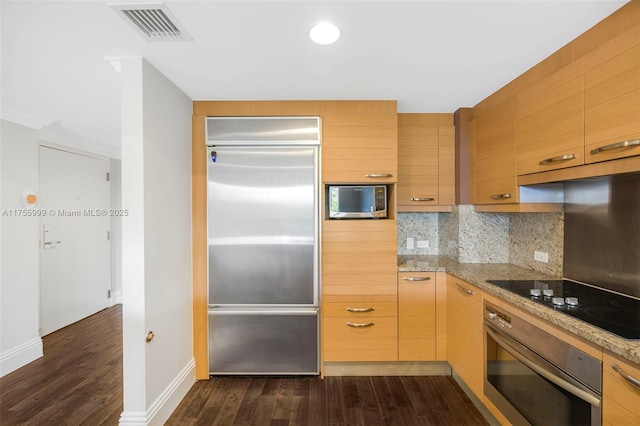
(75, 274)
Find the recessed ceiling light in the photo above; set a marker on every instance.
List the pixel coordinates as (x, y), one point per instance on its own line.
(324, 33)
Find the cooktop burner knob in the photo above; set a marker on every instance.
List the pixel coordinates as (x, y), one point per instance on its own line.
(573, 301)
(547, 292)
(558, 301)
(535, 292)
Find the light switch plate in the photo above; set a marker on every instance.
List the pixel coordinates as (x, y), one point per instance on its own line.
(541, 256)
(423, 243)
(410, 243)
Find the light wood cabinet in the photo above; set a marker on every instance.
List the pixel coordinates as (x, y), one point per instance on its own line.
(464, 332)
(493, 151)
(612, 98)
(416, 316)
(360, 143)
(360, 328)
(621, 398)
(550, 121)
(359, 290)
(426, 162)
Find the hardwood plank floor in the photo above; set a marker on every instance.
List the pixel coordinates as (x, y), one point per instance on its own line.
(78, 381)
(336, 401)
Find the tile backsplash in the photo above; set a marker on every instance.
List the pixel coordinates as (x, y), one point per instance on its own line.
(467, 236)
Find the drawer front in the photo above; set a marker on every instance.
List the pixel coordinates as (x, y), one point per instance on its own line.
(367, 339)
(619, 391)
(355, 310)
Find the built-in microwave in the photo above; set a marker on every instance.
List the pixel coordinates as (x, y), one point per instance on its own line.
(357, 201)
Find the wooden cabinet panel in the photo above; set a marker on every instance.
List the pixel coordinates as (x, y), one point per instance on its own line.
(621, 399)
(367, 339)
(426, 161)
(358, 144)
(493, 151)
(464, 332)
(550, 121)
(612, 97)
(416, 316)
(359, 257)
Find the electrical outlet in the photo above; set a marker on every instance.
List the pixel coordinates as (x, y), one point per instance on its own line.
(410, 242)
(423, 243)
(541, 256)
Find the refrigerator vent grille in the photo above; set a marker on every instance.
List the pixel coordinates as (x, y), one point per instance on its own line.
(154, 21)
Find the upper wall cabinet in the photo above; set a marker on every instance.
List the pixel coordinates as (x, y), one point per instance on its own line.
(550, 121)
(612, 99)
(493, 151)
(426, 162)
(360, 143)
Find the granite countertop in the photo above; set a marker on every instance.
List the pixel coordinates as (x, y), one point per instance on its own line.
(477, 274)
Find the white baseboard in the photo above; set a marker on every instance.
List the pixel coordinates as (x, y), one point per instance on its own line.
(167, 402)
(116, 298)
(19, 356)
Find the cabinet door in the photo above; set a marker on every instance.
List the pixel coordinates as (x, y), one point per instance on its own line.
(550, 121)
(464, 332)
(621, 397)
(493, 151)
(359, 257)
(359, 147)
(612, 99)
(360, 328)
(426, 161)
(416, 316)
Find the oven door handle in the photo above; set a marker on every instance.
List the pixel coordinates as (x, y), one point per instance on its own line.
(569, 387)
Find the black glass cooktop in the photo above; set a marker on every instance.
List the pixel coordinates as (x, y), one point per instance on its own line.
(612, 312)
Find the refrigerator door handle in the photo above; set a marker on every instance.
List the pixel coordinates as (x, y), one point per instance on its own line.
(294, 311)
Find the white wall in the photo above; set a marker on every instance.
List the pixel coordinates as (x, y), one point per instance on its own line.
(157, 295)
(20, 341)
(115, 171)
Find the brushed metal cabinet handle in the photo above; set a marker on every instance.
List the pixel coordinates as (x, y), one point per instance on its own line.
(633, 142)
(422, 199)
(565, 157)
(378, 175)
(356, 325)
(358, 310)
(625, 376)
(416, 278)
(466, 290)
(500, 196)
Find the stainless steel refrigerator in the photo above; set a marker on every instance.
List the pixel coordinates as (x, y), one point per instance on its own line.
(263, 220)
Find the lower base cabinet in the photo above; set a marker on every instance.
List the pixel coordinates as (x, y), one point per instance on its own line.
(621, 396)
(417, 316)
(464, 333)
(360, 328)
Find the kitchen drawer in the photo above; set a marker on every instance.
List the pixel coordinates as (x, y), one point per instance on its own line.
(621, 404)
(375, 340)
(359, 309)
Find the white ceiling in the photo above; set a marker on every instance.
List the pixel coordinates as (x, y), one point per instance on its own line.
(431, 56)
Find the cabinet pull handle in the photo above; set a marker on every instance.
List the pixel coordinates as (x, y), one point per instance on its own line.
(466, 290)
(633, 142)
(625, 376)
(416, 278)
(356, 325)
(378, 175)
(500, 196)
(422, 199)
(361, 309)
(557, 159)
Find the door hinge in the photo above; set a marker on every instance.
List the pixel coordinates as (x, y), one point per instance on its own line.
(108, 294)
(108, 235)
(108, 176)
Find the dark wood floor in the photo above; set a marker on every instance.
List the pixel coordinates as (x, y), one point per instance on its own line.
(366, 401)
(79, 382)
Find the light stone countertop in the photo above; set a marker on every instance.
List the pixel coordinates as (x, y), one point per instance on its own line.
(477, 274)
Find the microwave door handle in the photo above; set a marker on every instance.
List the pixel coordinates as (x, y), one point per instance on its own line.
(569, 387)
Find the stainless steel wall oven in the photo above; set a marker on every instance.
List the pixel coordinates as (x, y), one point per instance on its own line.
(534, 378)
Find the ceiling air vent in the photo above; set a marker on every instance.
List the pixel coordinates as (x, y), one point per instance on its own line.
(153, 20)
